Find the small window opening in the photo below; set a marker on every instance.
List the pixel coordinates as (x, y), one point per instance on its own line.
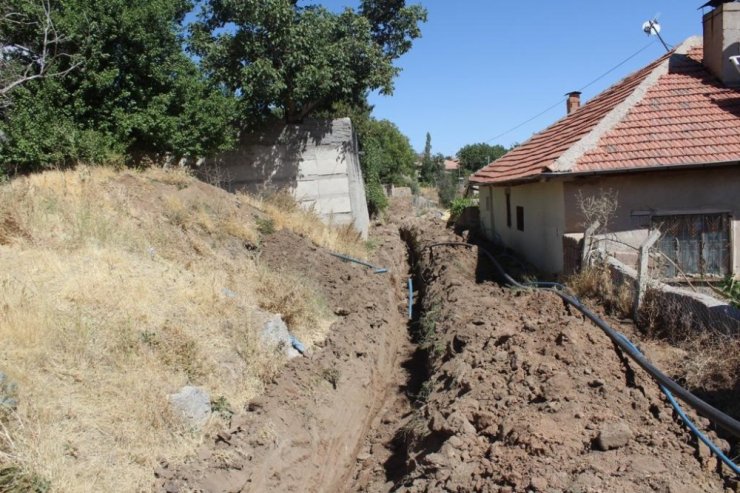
(508, 208)
(520, 218)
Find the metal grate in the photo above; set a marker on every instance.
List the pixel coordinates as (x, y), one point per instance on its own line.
(695, 244)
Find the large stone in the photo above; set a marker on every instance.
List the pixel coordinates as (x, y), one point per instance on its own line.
(8, 393)
(193, 404)
(275, 335)
(613, 435)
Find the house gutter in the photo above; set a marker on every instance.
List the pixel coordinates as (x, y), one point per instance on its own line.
(547, 176)
(554, 175)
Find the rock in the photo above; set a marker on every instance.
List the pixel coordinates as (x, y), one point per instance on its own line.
(8, 393)
(193, 403)
(275, 335)
(613, 435)
(342, 311)
(538, 484)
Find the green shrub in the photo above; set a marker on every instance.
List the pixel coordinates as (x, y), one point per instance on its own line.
(447, 188)
(458, 205)
(731, 288)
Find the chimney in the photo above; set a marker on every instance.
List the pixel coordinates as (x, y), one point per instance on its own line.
(721, 41)
(574, 101)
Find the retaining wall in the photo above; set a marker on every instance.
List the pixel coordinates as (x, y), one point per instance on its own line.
(317, 162)
(677, 305)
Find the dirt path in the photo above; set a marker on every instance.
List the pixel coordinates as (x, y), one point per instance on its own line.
(491, 390)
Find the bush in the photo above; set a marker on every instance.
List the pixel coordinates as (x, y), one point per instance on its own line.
(458, 205)
(447, 188)
(731, 288)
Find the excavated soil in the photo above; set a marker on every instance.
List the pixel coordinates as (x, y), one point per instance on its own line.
(303, 433)
(487, 389)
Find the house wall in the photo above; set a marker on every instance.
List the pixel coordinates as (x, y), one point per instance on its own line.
(665, 192)
(541, 241)
(316, 161)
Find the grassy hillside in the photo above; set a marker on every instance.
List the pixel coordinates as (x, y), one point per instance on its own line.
(118, 288)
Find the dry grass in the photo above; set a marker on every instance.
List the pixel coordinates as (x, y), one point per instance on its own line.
(283, 212)
(597, 282)
(709, 359)
(113, 294)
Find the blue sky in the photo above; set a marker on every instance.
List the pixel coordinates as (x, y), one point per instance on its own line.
(485, 66)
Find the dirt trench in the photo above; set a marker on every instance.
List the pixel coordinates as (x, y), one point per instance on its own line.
(486, 389)
(304, 434)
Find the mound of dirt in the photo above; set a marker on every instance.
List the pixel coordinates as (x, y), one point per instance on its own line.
(525, 395)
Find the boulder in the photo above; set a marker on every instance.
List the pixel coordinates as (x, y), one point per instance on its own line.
(275, 335)
(193, 404)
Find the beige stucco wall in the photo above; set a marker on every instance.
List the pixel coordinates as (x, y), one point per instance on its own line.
(544, 222)
(666, 192)
(317, 161)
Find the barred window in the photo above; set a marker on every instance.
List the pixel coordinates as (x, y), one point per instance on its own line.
(694, 244)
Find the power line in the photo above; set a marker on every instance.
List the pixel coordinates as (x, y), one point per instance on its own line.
(651, 43)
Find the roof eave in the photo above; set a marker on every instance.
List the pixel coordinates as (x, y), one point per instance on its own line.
(566, 175)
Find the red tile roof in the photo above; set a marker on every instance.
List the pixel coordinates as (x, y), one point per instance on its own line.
(672, 112)
(451, 164)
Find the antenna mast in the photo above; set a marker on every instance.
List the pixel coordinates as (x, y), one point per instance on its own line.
(651, 28)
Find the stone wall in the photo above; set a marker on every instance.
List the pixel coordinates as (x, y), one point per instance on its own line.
(317, 162)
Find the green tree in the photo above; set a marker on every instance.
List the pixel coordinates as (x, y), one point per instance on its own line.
(136, 91)
(386, 155)
(475, 156)
(432, 166)
(278, 57)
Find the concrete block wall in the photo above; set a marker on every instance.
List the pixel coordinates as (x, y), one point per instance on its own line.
(701, 311)
(317, 162)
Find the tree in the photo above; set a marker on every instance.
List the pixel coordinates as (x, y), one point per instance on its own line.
(136, 93)
(276, 56)
(29, 46)
(475, 156)
(432, 166)
(386, 155)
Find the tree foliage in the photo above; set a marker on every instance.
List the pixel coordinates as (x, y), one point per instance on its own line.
(386, 155)
(136, 91)
(432, 166)
(475, 156)
(276, 55)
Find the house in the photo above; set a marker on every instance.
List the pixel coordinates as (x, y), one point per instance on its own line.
(452, 165)
(665, 141)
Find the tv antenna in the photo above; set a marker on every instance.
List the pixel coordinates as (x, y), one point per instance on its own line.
(652, 28)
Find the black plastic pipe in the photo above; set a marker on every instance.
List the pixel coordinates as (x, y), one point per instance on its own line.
(716, 416)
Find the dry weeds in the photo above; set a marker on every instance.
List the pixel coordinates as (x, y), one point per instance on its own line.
(116, 289)
(283, 212)
(597, 282)
(709, 358)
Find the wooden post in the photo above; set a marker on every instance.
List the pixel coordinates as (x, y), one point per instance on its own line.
(642, 272)
(588, 240)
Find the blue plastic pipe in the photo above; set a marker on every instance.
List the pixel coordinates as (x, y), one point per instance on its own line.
(411, 298)
(687, 421)
(718, 417)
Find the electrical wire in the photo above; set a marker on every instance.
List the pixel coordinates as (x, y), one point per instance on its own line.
(651, 43)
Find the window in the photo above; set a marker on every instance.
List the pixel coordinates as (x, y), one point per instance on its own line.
(520, 218)
(508, 208)
(697, 244)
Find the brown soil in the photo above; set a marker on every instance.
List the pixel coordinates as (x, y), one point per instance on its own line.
(304, 432)
(509, 392)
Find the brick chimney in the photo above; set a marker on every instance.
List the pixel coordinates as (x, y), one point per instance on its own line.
(574, 101)
(721, 41)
